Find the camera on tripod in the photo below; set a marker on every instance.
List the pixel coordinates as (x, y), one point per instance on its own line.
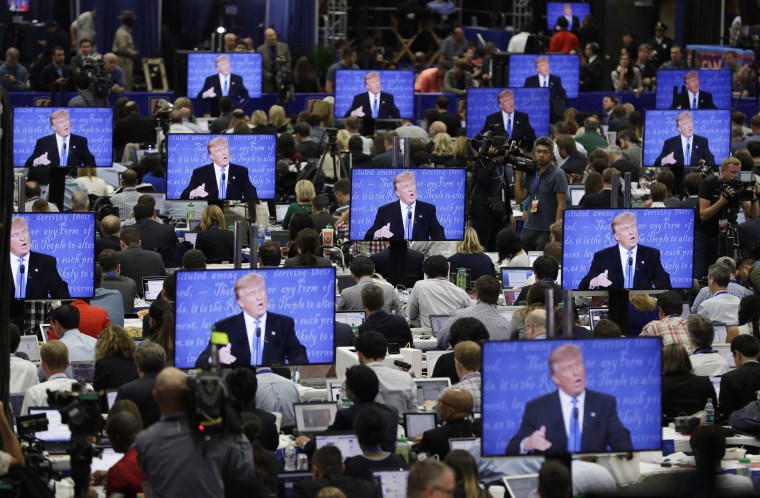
(95, 67)
(742, 190)
(80, 409)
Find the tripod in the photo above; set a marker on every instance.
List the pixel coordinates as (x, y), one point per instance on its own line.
(728, 241)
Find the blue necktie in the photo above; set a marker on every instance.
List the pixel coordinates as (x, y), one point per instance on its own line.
(226, 89)
(694, 102)
(509, 127)
(223, 186)
(375, 106)
(688, 152)
(574, 439)
(64, 154)
(409, 223)
(20, 280)
(629, 271)
(255, 350)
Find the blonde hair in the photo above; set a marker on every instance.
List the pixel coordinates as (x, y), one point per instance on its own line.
(324, 110)
(277, 116)
(88, 172)
(643, 302)
(330, 492)
(114, 341)
(342, 139)
(305, 191)
(259, 118)
(212, 215)
(442, 145)
(459, 148)
(186, 103)
(470, 243)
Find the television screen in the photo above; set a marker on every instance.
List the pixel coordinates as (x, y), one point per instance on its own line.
(713, 87)
(529, 388)
(211, 75)
(295, 309)
(74, 136)
(395, 99)
(665, 131)
(58, 251)
(555, 10)
(530, 106)
(190, 171)
(18, 5)
(563, 71)
(437, 197)
(661, 241)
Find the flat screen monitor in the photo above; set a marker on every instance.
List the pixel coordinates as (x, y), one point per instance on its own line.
(350, 317)
(514, 277)
(59, 249)
(348, 444)
(280, 210)
(662, 241)
(394, 101)
(31, 347)
(242, 75)
(58, 432)
(280, 236)
(555, 10)
(152, 286)
(299, 308)
(417, 423)
(287, 482)
(437, 322)
(531, 112)
(83, 370)
(618, 381)
(596, 314)
(563, 72)
(314, 417)
(576, 193)
(437, 195)
(38, 136)
(392, 483)
(430, 389)
(710, 132)
(191, 173)
(432, 358)
(18, 6)
(713, 89)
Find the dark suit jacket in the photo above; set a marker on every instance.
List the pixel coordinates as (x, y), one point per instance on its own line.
(321, 220)
(700, 149)
(749, 235)
(268, 436)
(155, 236)
(141, 392)
(133, 129)
(436, 441)
(426, 225)
(684, 394)
(592, 75)
(602, 430)
(237, 90)
(648, 272)
(352, 488)
(704, 101)
(576, 163)
(113, 372)
(78, 152)
(600, 200)
(137, 263)
(103, 243)
(387, 110)
(280, 342)
(574, 27)
(522, 131)
(413, 272)
(452, 121)
(385, 160)
(216, 244)
(344, 336)
(624, 166)
(49, 74)
(308, 149)
(556, 90)
(239, 186)
(737, 388)
(43, 280)
(393, 327)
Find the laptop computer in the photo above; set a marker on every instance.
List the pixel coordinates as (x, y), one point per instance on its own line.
(533, 256)
(430, 389)
(716, 385)
(314, 417)
(461, 443)
(17, 401)
(417, 423)
(348, 444)
(192, 224)
(725, 352)
(350, 317)
(521, 486)
(437, 322)
(345, 281)
(392, 483)
(58, 435)
(30, 346)
(576, 193)
(506, 313)
(111, 397)
(152, 287)
(431, 357)
(512, 277)
(280, 210)
(83, 370)
(334, 389)
(287, 481)
(280, 236)
(191, 237)
(596, 314)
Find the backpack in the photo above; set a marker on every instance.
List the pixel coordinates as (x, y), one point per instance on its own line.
(746, 419)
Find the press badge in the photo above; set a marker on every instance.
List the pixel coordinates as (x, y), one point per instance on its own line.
(534, 206)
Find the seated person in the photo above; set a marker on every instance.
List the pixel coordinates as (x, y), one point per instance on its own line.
(683, 393)
(370, 426)
(393, 327)
(435, 295)
(327, 470)
(454, 411)
(704, 360)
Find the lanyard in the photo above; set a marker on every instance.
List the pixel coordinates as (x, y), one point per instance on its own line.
(538, 181)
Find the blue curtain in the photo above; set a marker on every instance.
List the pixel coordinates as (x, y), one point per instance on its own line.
(294, 22)
(145, 31)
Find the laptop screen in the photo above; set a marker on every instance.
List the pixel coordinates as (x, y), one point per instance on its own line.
(596, 314)
(31, 347)
(437, 322)
(334, 389)
(191, 237)
(350, 317)
(111, 397)
(417, 423)
(83, 370)
(193, 224)
(280, 236)
(57, 432)
(515, 277)
(576, 194)
(279, 212)
(506, 314)
(17, 401)
(287, 481)
(348, 444)
(152, 287)
(432, 358)
(430, 389)
(461, 443)
(533, 256)
(314, 417)
(392, 483)
(522, 486)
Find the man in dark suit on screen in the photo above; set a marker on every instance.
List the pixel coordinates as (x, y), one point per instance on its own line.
(373, 103)
(257, 336)
(685, 149)
(407, 219)
(573, 23)
(515, 123)
(220, 179)
(62, 148)
(224, 84)
(627, 265)
(691, 97)
(571, 419)
(35, 275)
(542, 79)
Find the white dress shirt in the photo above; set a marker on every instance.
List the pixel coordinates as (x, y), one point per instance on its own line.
(38, 396)
(23, 375)
(81, 346)
(14, 268)
(404, 217)
(218, 172)
(396, 388)
(250, 330)
(506, 117)
(566, 402)
(624, 261)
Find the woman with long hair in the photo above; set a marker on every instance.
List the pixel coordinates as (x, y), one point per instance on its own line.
(305, 193)
(161, 322)
(683, 393)
(749, 318)
(626, 77)
(305, 77)
(95, 186)
(307, 245)
(214, 240)
(114, 365)
(466, 474)
(642, 309)
(443, 150)
(471, 255)
(510, 249)
(459, 150)
(278, 119)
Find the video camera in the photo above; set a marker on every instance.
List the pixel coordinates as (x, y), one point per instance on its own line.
(495, 144)
(742, 190)
(95, 67)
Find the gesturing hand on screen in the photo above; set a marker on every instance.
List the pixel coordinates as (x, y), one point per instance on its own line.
(384, 232)
(669, 159)
(199, 192)
(225, 355)
(358, 112)
(601, 280)
(537, 441)
(209, 94)
(42, 160)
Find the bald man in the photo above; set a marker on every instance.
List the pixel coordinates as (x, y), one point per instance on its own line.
(177, 461)
(454, 409)
(535, 325)
(274, 55)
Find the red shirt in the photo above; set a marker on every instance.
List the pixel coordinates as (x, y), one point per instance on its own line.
(562, 42)
(428, 81)
(92, 320)
(125, 476)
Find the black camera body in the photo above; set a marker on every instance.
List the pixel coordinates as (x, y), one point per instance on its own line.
(79, 409)
(95, 67)
(742, 191)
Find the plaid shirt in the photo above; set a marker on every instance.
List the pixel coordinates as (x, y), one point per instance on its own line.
(125, 201)
(672, 329)
(35, 314)
(471, 383)
(359, 248)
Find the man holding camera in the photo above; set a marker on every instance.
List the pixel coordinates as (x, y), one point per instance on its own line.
(719, 200)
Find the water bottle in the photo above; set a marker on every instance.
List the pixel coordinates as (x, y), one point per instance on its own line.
(744, 468)
(261, 235)
(709, 412)
(355, 330)
(462, 278)
(190, 211)
(295, 376)
(403, 448)
(345, 403)
(290, 457)
(267, 234)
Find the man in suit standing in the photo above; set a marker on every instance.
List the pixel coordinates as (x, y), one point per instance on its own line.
(542, 79)
(627, 265)
(592, 73)
(154, 236)
(407, 219)
(223, 84)
(516, 123)
(220, 179)
(685, 149)
(274, 54)
(35, 275)
(572, 418)
(691, 97)
(57, 71)
(602, 199)
(257, 336)
(373, 103)
(738, 385)
(62, 148)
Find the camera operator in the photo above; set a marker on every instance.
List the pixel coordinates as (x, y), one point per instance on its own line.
(86, 97)
(546, 188)
(489, 207)
(10, 454)
(720, 198)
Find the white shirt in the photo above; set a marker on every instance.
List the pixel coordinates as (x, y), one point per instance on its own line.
(81, 347)
(59, 140)
(14, 268)
(708, 364)
(684, 140)
(693, 96)
(566, 402)
(218, 172)
(405, 217)
(396, 388)
(222, 79)
(624, 261)
(23, 375)
(435, 296)
(721, 308)
(372, 97)
(543, 81)
(506, 117)
(250, 330)
(38, 396)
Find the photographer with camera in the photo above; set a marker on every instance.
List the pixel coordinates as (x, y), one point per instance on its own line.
(10, 454)
(720, 198)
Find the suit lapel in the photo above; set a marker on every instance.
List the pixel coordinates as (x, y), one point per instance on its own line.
(559, 440)
(618, 277)
(242, 340)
